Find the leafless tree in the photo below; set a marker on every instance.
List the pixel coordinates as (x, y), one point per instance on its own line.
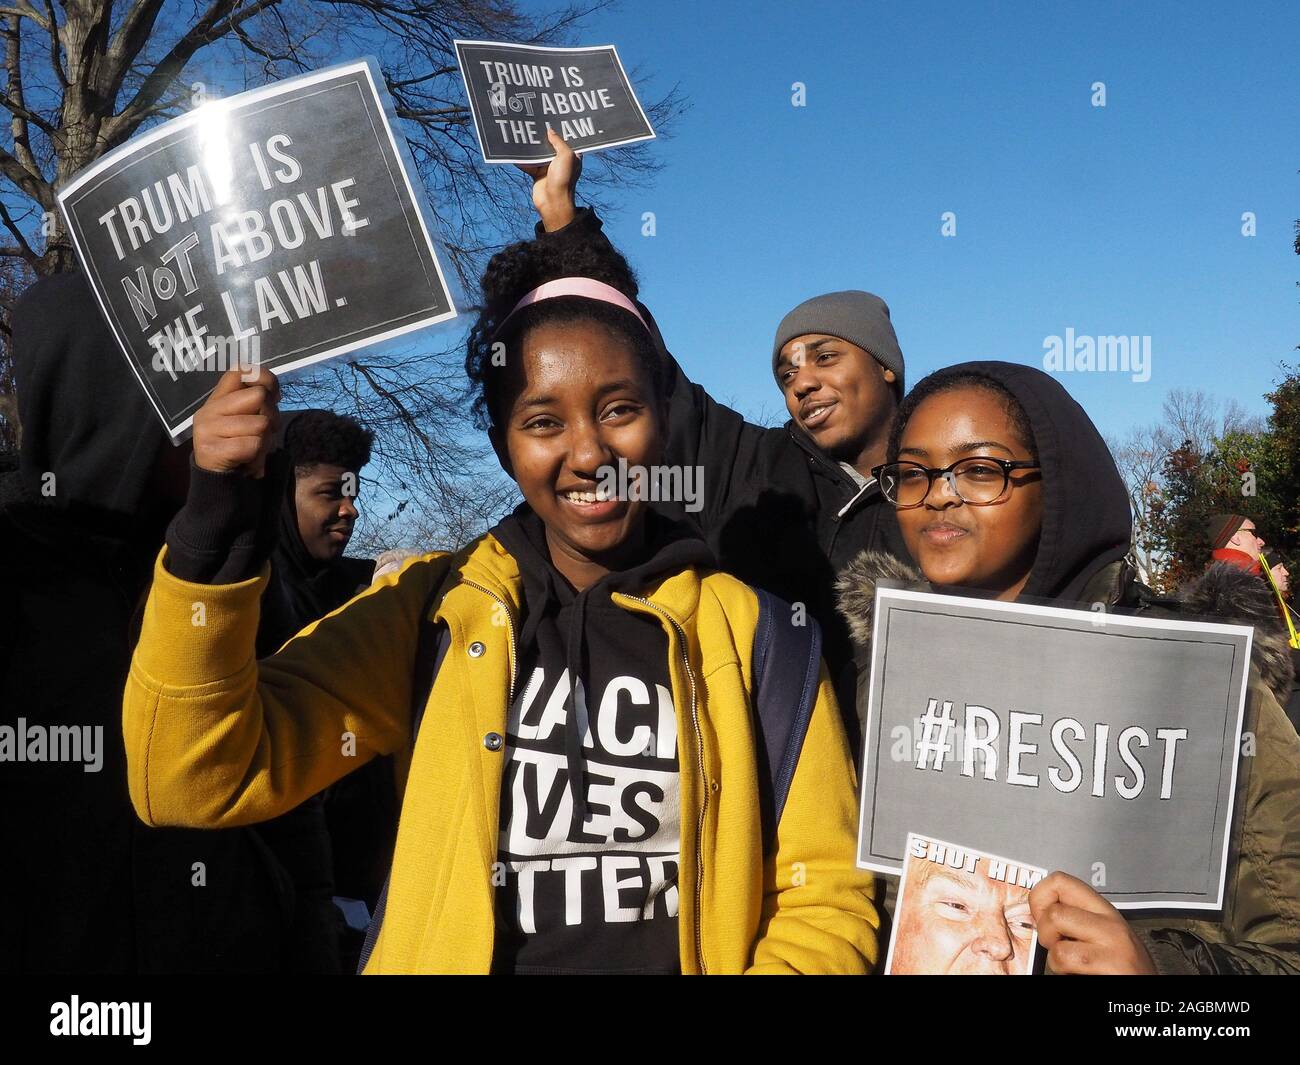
(1198, 418)
(1140, 457)
(1189, 417)
(83, 76)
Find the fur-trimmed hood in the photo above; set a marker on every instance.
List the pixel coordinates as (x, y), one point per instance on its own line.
(1234, 595)
(1223, 593)
(855, 589)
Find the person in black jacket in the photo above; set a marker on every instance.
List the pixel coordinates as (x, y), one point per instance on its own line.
(85, 886)
(783, 508)
(344, 836)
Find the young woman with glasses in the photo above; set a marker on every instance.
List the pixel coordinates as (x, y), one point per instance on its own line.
(1004, 488)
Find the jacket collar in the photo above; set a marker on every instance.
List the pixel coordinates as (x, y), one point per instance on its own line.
(487, 564)
(824, 466)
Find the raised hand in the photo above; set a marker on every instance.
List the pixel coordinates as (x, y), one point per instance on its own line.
(554, 183)
(234, 428)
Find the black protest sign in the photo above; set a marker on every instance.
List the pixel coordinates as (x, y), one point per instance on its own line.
(279, 226)
(1102, 745)
(517, 90)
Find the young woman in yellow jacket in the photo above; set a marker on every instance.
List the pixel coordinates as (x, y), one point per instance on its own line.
(606, 767)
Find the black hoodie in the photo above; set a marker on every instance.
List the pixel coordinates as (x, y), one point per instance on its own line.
(589, 839)
(302, 589)
(86, 886)
(1086, 524)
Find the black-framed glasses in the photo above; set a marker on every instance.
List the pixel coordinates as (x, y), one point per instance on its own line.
(980, 480)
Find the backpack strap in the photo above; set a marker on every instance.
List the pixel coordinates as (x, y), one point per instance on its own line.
(431, 646)
(787, 666)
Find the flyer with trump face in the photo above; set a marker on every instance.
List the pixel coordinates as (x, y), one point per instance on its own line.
(962, 912)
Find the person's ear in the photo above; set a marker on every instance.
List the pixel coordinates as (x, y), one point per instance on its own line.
(498, 441)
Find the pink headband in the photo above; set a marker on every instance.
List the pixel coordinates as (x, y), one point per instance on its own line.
(586, 287)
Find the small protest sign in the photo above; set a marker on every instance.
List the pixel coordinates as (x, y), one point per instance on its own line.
(517, 90)
(1102, 745)
(278, 227)
(962, 912)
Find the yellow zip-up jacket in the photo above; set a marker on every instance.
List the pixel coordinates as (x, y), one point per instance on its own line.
(215, 738)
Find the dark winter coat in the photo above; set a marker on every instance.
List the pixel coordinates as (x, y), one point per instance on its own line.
(85, 886)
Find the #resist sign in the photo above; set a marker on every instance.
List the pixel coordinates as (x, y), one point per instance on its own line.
(1101, 745)
(278, 227)
(517, 90)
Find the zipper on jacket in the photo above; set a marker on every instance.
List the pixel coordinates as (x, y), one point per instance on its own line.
(848, 506)
(704, 781)
(510, 629)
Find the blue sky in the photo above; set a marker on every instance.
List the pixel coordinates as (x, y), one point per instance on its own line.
(1123, 219)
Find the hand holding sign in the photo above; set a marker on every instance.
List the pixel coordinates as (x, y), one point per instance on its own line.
(1083, 933)
(554, 184)
(279, 225)
(234, 427)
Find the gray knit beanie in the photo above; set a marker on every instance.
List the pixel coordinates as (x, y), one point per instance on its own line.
(858, 317)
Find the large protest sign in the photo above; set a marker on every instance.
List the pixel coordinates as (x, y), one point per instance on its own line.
(278, 225)
(1101, 745)
(517, 90)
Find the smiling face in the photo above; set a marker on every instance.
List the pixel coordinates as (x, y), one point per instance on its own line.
(955, 544)
(837, 393)
(324, 498)
(955, 923)
(576, 401)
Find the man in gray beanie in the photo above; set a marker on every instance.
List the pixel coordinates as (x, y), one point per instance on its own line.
(783, 509)
(840, 369)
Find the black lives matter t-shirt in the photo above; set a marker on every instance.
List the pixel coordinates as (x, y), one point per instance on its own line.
(598, 895)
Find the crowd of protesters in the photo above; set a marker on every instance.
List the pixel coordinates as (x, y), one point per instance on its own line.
(315, 765)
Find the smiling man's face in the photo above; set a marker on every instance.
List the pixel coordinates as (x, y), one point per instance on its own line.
(837, 393)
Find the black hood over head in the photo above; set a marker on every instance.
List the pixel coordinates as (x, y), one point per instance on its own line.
(1087, 523)
(84, 416)
(302, 588)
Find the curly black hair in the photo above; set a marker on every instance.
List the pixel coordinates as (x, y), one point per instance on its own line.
(515, 271)
(935, 385)
(316, 437)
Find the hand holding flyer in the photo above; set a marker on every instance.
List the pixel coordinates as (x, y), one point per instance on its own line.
(278, 227)
(1083, 933)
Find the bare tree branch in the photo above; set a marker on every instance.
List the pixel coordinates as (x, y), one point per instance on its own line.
(24, 248)
(219, 20)
(27, 11)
